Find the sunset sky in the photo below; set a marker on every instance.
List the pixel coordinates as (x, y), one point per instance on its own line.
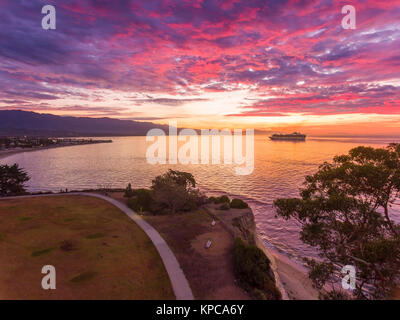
(272, 65)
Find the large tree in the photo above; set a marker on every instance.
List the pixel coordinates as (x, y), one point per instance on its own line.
(175, 191)
(345, 212)
(12, 179)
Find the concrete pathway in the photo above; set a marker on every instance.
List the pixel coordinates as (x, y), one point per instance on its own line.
(179, 282)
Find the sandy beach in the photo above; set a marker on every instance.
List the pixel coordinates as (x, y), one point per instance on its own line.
(294, 279)
(291, 278)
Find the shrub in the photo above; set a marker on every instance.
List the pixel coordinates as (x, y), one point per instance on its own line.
(224, 206)
(252, 268)
(193, 200)
(221, 199)
(142, 200)
(238, 204)
(202, 199)
(133, 204)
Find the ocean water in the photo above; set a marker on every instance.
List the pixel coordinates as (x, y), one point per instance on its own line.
(279, 171)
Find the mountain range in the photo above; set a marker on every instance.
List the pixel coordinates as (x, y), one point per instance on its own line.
(18, 122)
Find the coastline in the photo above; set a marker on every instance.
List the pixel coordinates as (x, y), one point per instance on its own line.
(291, 278)
(9, 152)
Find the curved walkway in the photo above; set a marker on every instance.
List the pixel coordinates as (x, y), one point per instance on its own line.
(179, 282)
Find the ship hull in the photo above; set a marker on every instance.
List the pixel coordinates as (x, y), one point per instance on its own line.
(298, 138)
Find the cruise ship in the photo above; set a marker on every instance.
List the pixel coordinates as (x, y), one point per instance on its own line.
(295, 136)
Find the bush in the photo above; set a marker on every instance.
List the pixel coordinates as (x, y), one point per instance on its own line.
(224, 206)
(252, 268)
(193, 200)
(221, 199)
(238, 204)
(142, 200)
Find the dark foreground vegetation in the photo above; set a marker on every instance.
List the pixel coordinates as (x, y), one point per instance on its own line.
(172, 192)
(225, 203)
(345, 212)
(252, 269)
(12, 180)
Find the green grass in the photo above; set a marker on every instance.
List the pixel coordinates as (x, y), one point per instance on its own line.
(40, 252)
(83, 277)
(98, 251)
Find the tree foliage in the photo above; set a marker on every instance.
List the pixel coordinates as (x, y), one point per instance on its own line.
(175, 191)
(238, 204)
(141, 200)
(252, 268)
(345, 212)
(12, 180)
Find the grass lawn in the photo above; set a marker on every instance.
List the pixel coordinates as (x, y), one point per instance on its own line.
(98, 252)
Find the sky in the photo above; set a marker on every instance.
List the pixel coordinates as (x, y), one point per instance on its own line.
(263, 64)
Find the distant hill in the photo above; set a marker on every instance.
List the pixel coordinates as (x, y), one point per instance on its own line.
(18, 122)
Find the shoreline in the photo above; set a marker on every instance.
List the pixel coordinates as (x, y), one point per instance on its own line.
(292, 279)
(10, 152)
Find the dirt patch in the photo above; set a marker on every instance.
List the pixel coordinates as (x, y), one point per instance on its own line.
(221, 243)
(209, 271)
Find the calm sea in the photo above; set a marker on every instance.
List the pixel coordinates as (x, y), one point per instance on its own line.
(280, 167)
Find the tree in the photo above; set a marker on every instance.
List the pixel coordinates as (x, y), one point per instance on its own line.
(12, 179)
(175, 190)
(345, 212)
